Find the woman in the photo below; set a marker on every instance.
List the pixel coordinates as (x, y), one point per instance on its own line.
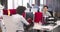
(19, 19)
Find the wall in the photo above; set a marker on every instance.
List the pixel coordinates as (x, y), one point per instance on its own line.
(54, 5)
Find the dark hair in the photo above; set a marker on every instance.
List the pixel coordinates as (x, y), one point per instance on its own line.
(45, 6)
(20, 9)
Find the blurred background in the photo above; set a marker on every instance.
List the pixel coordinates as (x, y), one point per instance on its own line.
(32, 6)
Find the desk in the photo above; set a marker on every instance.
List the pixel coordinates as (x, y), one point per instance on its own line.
(48, 27)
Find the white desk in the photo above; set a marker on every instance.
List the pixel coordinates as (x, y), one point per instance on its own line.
(48, 27)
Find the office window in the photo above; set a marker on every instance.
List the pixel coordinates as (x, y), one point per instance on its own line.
(22, 2)
(41, 4)
(25, 3)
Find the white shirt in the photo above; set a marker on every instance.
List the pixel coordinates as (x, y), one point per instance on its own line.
(19, 21)
(14, 22)
(47, 14)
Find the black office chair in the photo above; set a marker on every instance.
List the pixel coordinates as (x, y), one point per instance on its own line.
(51, 19)
(51, 12)
(29, 15)
(29, 27)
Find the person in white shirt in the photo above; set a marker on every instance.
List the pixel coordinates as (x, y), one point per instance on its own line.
(19, 19)
(45, 12)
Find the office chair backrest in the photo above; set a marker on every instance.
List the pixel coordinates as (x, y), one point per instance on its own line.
(29, 15)
(12, 11)
(51, 13)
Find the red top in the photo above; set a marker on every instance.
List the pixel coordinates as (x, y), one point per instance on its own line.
(38, 17)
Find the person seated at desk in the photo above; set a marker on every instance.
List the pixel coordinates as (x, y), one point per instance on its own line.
(45, 12)
(20, 20)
